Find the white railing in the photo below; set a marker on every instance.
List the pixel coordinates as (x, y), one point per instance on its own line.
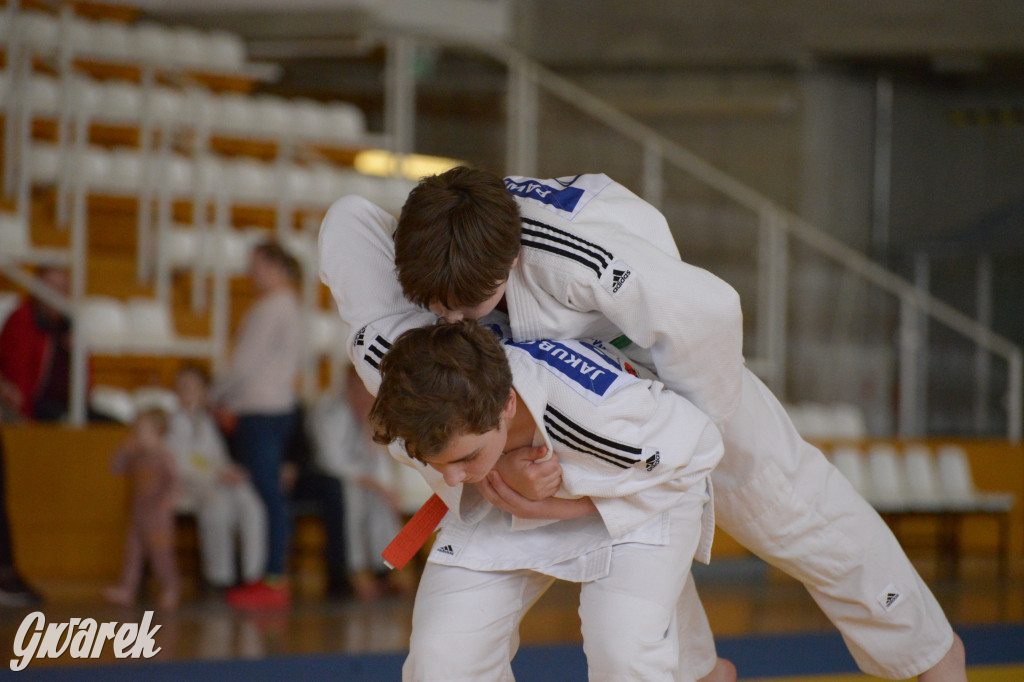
(157, 139)
(776, 225)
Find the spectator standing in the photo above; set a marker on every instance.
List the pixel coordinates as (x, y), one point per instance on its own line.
(259, 389)
(14, 591)
(35, 356)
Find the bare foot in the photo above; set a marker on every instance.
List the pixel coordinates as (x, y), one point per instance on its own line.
(121, 596)
(724, 671)
(952, 667)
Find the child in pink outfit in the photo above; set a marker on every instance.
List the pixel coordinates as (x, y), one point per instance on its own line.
(149, 465)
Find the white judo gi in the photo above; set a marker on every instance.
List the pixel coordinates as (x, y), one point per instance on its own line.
(223, 511)
(599, 262)
(641, 453)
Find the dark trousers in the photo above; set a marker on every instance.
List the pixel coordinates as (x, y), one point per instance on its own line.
(6, 553)
(260, 442)
(326, 493)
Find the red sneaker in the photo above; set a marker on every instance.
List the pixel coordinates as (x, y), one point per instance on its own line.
(259, 595)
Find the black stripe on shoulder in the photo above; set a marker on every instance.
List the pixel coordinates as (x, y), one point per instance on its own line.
(576, 443)
(562, 252)
(593, 436)
(538, 235)
(382, 341)
(371, 362)
(556, 437)
(570, 235)
(376, 351)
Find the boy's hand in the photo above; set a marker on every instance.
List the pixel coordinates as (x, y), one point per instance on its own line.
(522, 472)
(497, 492)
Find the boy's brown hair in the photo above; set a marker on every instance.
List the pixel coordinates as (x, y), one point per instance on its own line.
(457, 237)
(439, 382)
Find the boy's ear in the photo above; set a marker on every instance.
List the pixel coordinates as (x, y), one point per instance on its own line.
(509, 410)
(515, 262)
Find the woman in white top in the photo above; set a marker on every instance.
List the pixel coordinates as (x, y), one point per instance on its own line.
(259, 387)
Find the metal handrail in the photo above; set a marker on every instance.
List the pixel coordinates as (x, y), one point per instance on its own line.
(659, 149)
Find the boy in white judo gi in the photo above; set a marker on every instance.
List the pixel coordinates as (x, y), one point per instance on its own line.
(632, 510)
(584, 257)
(555, 267)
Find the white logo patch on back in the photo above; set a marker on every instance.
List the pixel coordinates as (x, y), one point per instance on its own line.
(889, 597)
(617, 277)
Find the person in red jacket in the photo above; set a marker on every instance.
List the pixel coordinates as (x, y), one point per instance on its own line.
(35, 356)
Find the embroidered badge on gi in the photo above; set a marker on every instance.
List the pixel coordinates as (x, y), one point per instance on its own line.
(653, 461)
(889, 597)
(619, 278)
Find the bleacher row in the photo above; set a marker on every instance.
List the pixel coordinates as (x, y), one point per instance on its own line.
(140, 112)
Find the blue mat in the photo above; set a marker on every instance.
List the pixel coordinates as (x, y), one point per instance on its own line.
(767, 656)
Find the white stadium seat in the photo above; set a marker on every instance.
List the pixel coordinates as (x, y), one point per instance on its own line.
(125, 174)
(149, 324)
(236, 112)
(251, 179)
(224, 51)
(111, 39)
(327, 334)
(44, 160)
(922, 476)
(955, 474)
(14, 236)
(80, 36)
(310, 118)
(87, 95)
(958, 487)
(38, 29)
(151, 42)
(150, 397)
(179, 246)
(210, 173)
(168, 104)
(104, 323)
(43, 94)
(122, 100)
(885, 471)
(188, 47)
(344, 121)
(301, 184)
(850, 462)
(176, 174)
(114, 403)
(273, 114)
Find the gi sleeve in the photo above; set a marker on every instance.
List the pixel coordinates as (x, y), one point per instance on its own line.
(689, 319)
(636, 454)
